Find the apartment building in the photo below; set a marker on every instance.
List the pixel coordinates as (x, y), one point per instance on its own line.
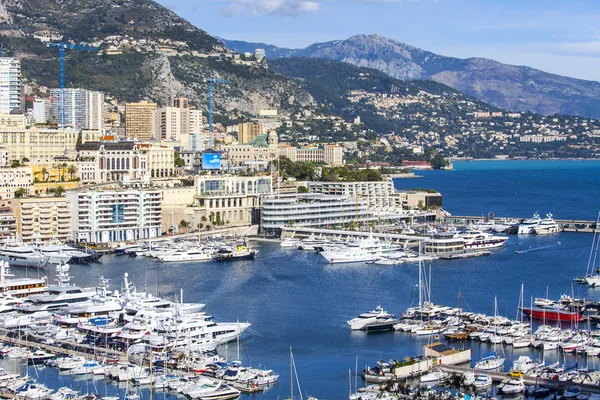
(138, 120)
(8, 223)
(248, 131)
(11, 93)
(115, 215)
(13, 179)
(43, 218)
(83, 109)
(377, 195)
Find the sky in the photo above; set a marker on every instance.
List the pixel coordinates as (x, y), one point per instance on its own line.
(561, 37)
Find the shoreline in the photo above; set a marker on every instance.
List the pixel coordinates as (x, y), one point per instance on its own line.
(521, 159)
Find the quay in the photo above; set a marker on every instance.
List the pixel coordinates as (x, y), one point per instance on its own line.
(568, 225)
(529, 380)
(301, 233)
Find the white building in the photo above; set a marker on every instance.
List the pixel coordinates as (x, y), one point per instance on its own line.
(13, 179)
(377, 195)
(83, 108)
(4, 157)
(115, 215)
(122, 161)
(41, 111)
(197, 142)
(11, 94)
(171, 123)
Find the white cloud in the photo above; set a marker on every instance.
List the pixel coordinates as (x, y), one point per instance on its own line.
(290, 7)
(272, 7)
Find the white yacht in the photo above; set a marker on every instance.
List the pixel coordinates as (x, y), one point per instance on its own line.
(19, 254)
(481, 240)
(195, 254)
(547, 226)
(312, 241)
(527, 227)
(289, 243)
(490, 363)
(20, 287)
(367, 318)
(58, 253)
(60, 296)
(360, 250)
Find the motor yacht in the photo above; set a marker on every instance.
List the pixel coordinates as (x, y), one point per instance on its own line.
(237, 253)
(20, 287)
(528, 226)
(481, 240)
(547, 226)
(369, 317)
(19, 254)
(361, 250)
(194, 254)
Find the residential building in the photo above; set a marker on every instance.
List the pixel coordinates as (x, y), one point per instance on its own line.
(138, 120)
(11, 93)
(196, 122)
(231, 200)
(114, 161)
(115, 215)
(171, 123)
(248, 131)
(42, 218)
(377, 195)
(181, 102)
(4, 157)
(333, 154)
(192, 159)
(83, 109)
(43, 146)
(41, 111)
(197, 142)
(8, 223)
(13, 179)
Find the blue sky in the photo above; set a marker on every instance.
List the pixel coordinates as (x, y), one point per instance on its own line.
(561, 37)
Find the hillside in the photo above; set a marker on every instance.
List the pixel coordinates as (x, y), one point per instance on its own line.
(146, 51)
(515, 88)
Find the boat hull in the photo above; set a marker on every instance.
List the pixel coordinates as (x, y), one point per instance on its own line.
(552, 315)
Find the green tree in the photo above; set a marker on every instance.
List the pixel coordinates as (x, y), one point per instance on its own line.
(183, 224)
(44, 173)
(302, 189)
(59, 191)
(20, 192)
(71, 170)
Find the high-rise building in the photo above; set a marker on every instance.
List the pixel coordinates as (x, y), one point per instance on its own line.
(248, 131)
(11, 97)
(171, 123)
(41, 111)
(181, 102)
(82, 108)
(196, 122)
(138, 120)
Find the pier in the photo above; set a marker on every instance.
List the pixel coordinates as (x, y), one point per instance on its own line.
(568, 225)
(529, 380)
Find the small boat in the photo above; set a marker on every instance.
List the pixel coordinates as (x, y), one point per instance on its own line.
(552, 314)
(369, 317)
(490, 362)
(240, 252)
(433, 376)
(513, 386)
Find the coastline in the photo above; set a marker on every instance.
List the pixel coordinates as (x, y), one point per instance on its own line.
(521, 159)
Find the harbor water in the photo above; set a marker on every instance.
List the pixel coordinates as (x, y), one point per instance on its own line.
(295, 298)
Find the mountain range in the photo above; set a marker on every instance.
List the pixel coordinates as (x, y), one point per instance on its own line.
(516, 88)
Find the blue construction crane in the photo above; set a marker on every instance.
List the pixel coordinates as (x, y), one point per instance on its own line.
(61, 48)
(211, 104)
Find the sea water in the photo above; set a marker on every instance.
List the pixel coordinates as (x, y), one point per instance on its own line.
(296, 299)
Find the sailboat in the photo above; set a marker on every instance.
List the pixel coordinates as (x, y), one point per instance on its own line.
(592, 277)
(491, 361)
(294, 374)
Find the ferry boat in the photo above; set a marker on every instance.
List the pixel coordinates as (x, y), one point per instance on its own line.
(360, 250)
(547, 226)
(482, 240)
(20, 287)
(527, 227)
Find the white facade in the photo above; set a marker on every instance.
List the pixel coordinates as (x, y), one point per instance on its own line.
(41, 111)
(13, 179)
(113, 162)
(4, 157)
(197, 142)
(171, 123)
(115, 215)
(377, 195)
(82, 108)
(10, 85)
(196, 122)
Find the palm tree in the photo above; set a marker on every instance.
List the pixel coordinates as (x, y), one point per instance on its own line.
(183, 224)
(72, 169)
(59, 191)
(44, 173)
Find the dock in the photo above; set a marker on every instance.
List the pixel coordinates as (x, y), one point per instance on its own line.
(466, 254)
(529, 380)
(568, 225)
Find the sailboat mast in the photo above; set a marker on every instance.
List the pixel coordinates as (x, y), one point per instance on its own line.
(420, 278)
(291, 375)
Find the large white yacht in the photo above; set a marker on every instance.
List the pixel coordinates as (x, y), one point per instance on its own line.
(19, 254)
(547, 226)
(195, 254)
(58, 253)
(367, 318)
(20, 287)
(527, 227)
(60, 296)
(360, 250)
(481, 240)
